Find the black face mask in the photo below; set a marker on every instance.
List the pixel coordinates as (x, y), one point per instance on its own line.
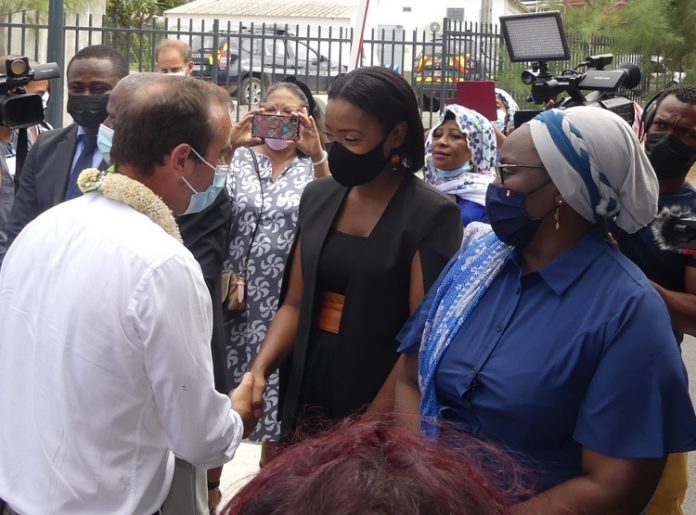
(351, 169)
(88, 111)
(669, 156)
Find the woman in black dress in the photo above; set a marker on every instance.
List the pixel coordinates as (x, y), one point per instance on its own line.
(372, 239)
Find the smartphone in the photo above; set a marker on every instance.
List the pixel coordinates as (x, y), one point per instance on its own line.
(275, 126)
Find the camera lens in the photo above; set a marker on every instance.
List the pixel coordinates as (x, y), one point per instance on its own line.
(17, 67)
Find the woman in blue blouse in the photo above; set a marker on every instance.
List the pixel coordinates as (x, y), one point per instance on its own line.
(543, 338)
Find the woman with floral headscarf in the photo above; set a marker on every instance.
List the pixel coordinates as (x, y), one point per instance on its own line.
(507, 107)
(459, 156)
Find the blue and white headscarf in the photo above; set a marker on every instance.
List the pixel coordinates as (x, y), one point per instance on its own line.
(480, 259)
(511, 107)
(598, 165)
(481, 140)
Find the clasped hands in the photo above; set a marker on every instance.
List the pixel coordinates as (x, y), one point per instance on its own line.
(247, 400)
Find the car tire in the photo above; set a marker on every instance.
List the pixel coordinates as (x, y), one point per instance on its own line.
(250, 89)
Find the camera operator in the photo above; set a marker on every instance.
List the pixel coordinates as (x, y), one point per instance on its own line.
(670, 144)
(57, 157)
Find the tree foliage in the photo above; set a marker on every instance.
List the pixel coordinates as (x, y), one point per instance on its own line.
(127, 12)
(8, 7)
(654, 29)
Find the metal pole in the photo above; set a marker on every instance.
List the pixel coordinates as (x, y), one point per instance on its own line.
(56, 54)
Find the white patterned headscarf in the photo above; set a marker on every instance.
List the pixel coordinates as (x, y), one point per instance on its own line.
(482, 144)
(511, 108)
(598, 165)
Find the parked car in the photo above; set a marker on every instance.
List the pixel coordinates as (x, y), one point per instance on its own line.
(249, 61)
(439, 68)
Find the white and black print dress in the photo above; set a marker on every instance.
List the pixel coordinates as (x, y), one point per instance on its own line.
(277, 219)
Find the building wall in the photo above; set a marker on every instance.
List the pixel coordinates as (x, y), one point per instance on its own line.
(205, 22)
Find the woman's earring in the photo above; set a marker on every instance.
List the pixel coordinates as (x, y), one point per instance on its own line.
(395, 161)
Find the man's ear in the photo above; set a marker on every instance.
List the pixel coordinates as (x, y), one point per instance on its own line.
(178, 156)
(189, 65)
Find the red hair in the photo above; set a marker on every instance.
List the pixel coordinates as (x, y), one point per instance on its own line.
(375, 467)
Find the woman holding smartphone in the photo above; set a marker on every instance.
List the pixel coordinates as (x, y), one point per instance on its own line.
(265, 183)
(372, 238)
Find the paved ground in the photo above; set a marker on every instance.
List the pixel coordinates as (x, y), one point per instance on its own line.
(246, 462)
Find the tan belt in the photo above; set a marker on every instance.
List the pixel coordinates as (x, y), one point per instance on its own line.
(330, 310)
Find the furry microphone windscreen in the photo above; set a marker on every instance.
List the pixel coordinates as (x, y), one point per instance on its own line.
(674, 229)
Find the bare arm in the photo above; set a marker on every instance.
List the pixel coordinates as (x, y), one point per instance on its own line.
(281, 334)
(385, 399)
(610, 486)
(682, 305)
(310, 143)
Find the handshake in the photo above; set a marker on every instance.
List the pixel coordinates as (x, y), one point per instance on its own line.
(247, 400)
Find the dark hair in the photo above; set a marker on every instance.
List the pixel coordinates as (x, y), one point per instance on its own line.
(686, 94)
(292, 88)
(118, 62)
(374, 467)
(163, 113)
(387, 96)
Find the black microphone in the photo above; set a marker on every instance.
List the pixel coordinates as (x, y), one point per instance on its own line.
(674, 229)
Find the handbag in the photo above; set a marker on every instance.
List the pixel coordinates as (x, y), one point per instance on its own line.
(234, 283)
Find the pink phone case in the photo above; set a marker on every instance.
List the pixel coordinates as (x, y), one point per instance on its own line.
(275, 126)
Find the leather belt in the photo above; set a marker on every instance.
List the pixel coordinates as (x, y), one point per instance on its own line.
(330, 310)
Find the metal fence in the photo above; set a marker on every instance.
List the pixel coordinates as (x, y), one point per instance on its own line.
(246, 59)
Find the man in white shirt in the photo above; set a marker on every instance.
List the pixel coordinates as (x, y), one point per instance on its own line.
(105, 323)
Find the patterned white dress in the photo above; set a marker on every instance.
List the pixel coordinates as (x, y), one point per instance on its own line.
(271, 246)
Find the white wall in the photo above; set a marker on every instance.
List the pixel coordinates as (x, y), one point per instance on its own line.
(206, 21)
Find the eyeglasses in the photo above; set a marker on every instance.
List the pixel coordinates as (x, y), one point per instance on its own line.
(502, 168)
(274, 109)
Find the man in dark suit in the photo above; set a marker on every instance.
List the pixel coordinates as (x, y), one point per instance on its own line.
(57, 157)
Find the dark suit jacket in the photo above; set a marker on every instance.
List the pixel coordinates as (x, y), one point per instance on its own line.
(417, 219)
(44, 179)
(205, 234)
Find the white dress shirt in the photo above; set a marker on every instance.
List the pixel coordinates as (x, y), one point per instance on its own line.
(105, 364)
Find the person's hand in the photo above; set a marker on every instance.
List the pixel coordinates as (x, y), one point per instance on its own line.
(241, 131)
(257, 394)
(242, 403)
(310, 139)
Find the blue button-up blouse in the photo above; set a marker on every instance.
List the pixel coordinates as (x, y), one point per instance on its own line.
(577, 354)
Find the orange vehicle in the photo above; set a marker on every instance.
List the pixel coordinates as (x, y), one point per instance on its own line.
(439, 67)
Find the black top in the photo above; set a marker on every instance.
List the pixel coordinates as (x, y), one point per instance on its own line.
(205, 235)
(418, 218)
(341, 251)
(665, 267)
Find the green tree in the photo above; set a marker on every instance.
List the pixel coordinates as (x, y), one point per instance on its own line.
(8, 7)
(660, 31)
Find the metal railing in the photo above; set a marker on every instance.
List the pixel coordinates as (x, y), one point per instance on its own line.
(247, 59)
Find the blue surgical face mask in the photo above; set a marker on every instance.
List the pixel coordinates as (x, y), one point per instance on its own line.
(500, 122)
(203, 199)
(508, 215)
(452, 174)
(104, 139)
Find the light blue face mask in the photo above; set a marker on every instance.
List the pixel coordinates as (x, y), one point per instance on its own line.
(104, 138)
(451, 174)
(202, 199)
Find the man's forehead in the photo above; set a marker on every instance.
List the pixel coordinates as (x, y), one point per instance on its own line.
(672, 106)
(93, 70)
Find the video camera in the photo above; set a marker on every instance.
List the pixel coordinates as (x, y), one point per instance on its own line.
(539, 38)
(19, 109)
